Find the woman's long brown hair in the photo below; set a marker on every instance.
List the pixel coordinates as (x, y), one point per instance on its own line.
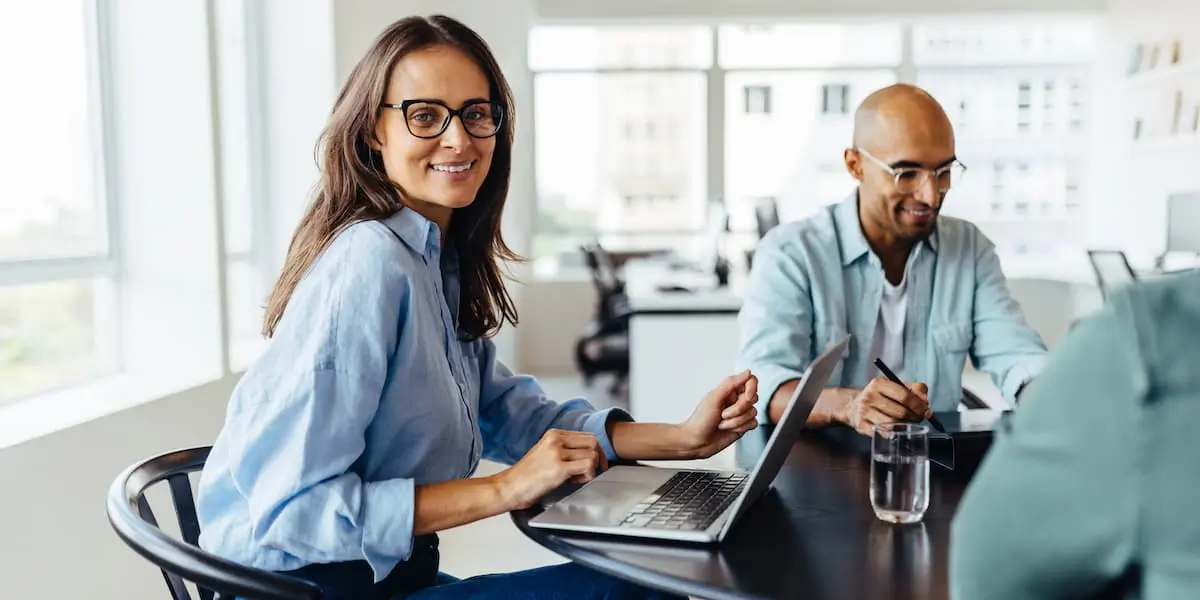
(354, 186)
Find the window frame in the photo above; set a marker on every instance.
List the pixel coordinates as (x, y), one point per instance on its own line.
(239, 351)
(105, 263)
(121, 340)
(906, 70)
(716, 106)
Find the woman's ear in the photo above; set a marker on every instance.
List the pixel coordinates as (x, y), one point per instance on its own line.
(377, 137)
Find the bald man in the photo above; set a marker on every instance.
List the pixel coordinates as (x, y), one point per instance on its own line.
(921, 291)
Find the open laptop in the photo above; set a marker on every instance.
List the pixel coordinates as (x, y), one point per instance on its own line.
(691, 505)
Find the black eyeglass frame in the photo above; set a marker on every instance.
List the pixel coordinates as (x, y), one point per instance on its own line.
(497, 113)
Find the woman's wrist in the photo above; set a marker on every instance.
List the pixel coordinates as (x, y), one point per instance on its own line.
(652, 441)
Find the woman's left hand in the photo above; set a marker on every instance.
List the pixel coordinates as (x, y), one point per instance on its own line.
(723, 416)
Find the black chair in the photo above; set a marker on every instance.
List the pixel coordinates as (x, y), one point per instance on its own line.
(1112, 269)
(130, 516)
(766, 215)
(604, 345)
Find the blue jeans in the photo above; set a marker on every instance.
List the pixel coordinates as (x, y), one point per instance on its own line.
(418, 578)
(558, 582)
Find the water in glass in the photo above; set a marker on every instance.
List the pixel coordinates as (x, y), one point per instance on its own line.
(900, 472)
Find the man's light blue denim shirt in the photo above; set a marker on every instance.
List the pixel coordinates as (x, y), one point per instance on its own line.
(366, 392)
(817, 280)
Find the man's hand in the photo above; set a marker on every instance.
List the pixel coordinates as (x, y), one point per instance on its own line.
(884, 401)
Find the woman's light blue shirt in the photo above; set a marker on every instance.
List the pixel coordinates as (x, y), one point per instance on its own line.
(365, 393)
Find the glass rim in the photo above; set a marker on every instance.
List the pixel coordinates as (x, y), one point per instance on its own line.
(901, 428)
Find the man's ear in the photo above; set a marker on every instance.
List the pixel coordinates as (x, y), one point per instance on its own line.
(853, 163)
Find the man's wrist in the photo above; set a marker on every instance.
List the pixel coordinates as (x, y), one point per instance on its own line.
(831, 406)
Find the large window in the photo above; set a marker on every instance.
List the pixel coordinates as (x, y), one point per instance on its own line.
(124, 179)
(640, 128)
(244, 209)
(626, 110)
(57, 299)
(1016, 92)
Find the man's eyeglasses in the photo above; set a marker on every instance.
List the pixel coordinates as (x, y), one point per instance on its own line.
(428, 119)
(910, 179)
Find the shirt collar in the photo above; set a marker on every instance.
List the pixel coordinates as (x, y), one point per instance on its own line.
(852, 242)
(417, 232)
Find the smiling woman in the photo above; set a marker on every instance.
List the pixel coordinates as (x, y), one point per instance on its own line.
(352, 440)
(441, 164)
(373, 163)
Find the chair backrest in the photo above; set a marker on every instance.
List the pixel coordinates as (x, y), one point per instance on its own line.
(766, 215)
(612, 305)
(604, 271)
(1112, 269)
(130, 515)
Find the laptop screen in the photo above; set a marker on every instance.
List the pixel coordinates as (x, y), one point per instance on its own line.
(789, 426)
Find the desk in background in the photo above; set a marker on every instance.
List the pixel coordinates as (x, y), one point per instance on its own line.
(681, 343)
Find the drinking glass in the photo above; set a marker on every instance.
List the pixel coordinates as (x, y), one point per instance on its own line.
(900, 472)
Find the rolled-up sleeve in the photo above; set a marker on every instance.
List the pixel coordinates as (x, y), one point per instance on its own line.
(297, 425)
(514, 412)
(775, 321)
(1004, 345)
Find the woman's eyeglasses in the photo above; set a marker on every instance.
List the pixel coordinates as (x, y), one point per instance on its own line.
(428, 119)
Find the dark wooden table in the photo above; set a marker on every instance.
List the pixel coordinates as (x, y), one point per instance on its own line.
(813, 536)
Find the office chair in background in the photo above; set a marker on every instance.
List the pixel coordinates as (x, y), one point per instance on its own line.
(1112, 269)
(766, 218)
(604, 345)
(766, 215)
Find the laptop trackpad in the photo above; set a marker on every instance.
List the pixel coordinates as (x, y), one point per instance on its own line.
(644, 476)
(599, 503)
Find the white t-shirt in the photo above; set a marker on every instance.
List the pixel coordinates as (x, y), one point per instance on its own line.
(888, 342)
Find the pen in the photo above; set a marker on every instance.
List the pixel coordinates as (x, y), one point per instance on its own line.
(883, 368)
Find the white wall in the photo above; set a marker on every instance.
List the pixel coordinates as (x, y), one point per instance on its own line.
(165, 183)
(298, 79)
(1132, 180)
(56, 540)
(553, 315)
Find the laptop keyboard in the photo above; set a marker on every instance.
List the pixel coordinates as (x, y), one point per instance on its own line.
(689, 500)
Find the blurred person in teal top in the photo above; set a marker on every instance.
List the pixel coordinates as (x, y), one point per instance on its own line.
(923, 291)
(1096, 484)
(351, 441)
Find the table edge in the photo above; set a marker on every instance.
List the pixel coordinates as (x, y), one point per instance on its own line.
(626, 571)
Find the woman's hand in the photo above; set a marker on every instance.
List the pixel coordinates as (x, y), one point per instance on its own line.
(560, 456)
(722, 417)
